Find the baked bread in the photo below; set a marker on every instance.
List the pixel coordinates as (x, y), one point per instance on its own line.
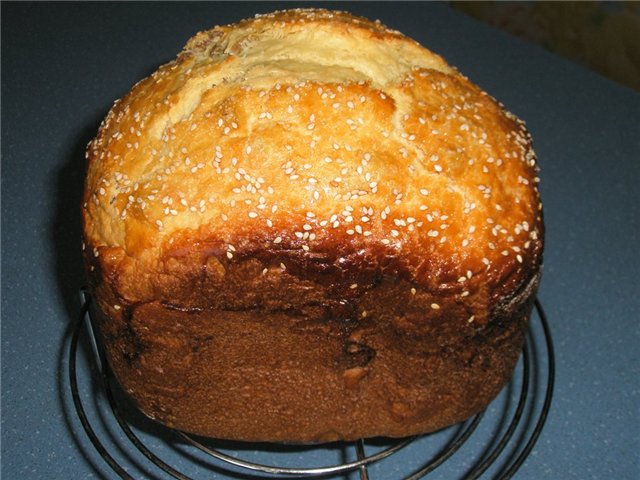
(307, 227)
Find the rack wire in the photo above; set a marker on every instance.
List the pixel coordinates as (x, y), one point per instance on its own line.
(502, 454)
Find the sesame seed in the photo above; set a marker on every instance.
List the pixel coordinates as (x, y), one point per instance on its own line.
(353, 285)
(435, 306)
(413, 291)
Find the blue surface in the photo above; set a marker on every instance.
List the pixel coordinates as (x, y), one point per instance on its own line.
(64, 64)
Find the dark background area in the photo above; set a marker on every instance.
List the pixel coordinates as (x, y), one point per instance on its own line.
(602, 36)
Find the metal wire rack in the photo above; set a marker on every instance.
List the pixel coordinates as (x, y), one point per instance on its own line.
(502, 452)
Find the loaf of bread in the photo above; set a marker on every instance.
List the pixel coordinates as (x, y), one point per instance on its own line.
(308, 227)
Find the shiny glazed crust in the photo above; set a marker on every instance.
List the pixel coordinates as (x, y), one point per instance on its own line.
(308, 227)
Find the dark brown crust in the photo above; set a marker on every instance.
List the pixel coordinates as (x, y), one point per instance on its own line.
(283, 356)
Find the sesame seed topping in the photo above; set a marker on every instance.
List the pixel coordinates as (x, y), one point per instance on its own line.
(435, 306)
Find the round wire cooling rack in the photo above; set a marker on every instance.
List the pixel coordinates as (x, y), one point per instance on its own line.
(493, 444)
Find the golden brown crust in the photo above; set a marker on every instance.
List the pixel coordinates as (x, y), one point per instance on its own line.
(311, 168)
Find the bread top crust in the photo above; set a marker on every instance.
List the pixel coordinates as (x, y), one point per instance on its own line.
(315, 133)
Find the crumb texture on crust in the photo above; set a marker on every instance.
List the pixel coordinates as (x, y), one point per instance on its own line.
(310, 201)
(307, 132)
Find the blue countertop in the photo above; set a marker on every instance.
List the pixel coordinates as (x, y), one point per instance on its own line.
(64, 64)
